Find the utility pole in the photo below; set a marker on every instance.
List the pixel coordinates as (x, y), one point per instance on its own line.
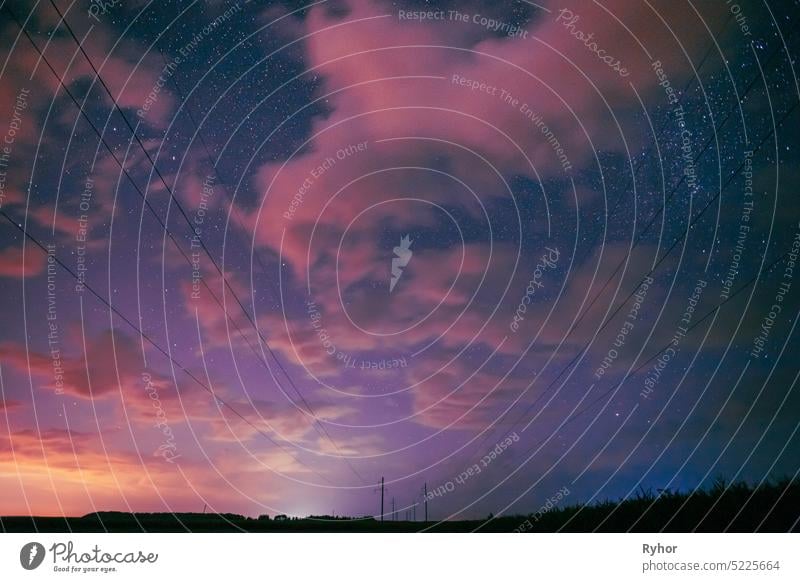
(394, 512)
(415, 512)
(382, 495)
(426, 502)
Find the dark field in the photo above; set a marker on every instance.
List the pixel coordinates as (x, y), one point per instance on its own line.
(734, 508)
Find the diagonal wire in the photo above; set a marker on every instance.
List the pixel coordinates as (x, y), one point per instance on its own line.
(316, 422)
(153, 343)
(257, 254)
(143, 196)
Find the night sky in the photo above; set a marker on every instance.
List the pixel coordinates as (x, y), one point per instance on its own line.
(257, 256)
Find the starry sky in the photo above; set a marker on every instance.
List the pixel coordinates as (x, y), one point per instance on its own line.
(256, 256)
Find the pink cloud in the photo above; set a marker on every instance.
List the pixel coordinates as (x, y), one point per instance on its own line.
(325, 211)
(17, 264)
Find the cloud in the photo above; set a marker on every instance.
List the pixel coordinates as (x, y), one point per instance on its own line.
(327, 209)
(367, 60)
(457, 397)
(69, 472)
(7, 405)
(16, 263)
(106, 357)
(111, 370)
(290, 422)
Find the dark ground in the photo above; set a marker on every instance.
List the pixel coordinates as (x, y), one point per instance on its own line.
(736, 508)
